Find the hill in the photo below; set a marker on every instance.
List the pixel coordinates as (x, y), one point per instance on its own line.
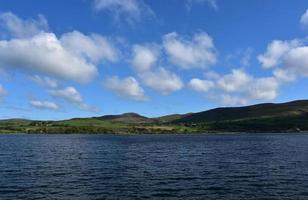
(130, 118)
(293, 108)
(171, 118)
(283, 117)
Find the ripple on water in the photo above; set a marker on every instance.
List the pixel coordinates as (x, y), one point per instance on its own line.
(153, 167)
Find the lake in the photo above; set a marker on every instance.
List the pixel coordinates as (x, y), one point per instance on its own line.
(242, 166)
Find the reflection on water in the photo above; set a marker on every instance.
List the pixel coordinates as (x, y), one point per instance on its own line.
(154, 167)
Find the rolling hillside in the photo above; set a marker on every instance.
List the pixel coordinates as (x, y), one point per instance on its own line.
(284, 117)
(130, 118)
(294, 108)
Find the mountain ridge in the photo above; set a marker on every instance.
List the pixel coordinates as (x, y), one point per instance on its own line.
(246, 112)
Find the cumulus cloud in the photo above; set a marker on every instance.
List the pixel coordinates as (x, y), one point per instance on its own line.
(297, 60)
(129, 10)
(71, 95)
(72, 56)
(275, 52)
(283, 75)
(19, 28)
(3, 92)
(44, 53)
(144, 61)
(237, 88)
(200, 85)
(231, 100)
(45, 81)
(45, 105)
(162, 80)
(304, 19)
(94, 47)
(199, 52)
(144, 57)
(235, 81)
(263, 89)
(127, 87)
(288, 58)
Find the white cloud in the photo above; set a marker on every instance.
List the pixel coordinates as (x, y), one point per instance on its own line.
(72, 56)
(297, 60)
(144, 61)
(44, 105)
(304, 19)
(212, 3)
(199, 52)
(3, 92)
(45, 81)
(232, 100)
(71, 95)
(93, 47)
(238, 88)
(200, 85)
(284, 75)
(127, 87)
(44, 53)
(289, 58)
(144, 57)
(275, 52)
(264, 89)
(235, 81)
(22, 28)
(129, 10)
(162, 80)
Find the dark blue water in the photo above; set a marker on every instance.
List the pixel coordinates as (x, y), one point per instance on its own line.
(153, 167)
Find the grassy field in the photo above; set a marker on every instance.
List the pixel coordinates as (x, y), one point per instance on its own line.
(90, 126)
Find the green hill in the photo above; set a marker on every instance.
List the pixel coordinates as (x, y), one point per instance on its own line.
(294, 108)
(171, 118)
(130, 118)
(284, 117)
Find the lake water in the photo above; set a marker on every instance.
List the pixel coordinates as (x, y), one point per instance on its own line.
(154, 167)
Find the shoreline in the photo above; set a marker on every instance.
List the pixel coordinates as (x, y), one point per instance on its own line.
(136, 134)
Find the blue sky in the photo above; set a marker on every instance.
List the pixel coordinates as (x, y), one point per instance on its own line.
(79, 58)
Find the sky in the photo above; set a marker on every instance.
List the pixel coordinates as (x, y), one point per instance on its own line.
(81, 58)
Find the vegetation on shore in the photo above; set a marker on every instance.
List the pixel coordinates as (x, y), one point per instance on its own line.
(286, 117)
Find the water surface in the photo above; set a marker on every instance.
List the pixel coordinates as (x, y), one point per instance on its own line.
(154, 167)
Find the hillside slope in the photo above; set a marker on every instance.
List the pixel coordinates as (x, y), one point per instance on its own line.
(170, 118)
(294, 108)
(130, 118)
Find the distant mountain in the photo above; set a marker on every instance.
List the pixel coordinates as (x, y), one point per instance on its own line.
(130, 118)
(283, 117)
(294, 108)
